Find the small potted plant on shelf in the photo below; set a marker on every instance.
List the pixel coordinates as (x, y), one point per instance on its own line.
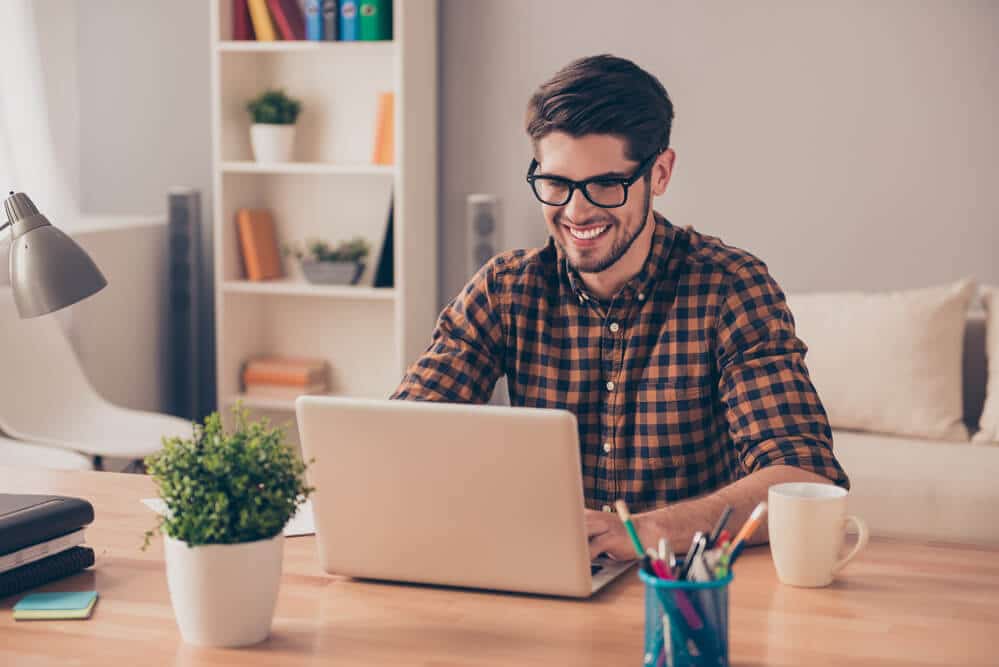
(272, 134)
(228, 497)
(324, 264)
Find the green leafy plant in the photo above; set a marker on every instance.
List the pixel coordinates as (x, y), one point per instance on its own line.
(317, 250)
(227, 488)
(273, 107)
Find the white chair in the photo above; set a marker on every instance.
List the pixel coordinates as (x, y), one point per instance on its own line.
(46, 400)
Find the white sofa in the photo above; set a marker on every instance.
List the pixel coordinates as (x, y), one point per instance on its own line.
(926, 489)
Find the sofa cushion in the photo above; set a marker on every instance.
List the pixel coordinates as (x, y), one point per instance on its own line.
(988, 423)
(888, 362)
(924, 489)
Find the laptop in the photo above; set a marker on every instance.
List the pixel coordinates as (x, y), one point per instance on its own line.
(458, 495)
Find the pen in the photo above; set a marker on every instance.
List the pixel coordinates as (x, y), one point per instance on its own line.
(622, 511)
(748, 528)
(722, 520)
(694, 543)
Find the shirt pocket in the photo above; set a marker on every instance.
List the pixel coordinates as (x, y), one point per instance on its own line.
(673, 419)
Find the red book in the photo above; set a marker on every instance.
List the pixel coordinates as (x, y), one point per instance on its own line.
(288, 18)
(242, 28)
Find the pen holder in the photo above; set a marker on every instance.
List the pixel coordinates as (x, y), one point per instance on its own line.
(686, 622)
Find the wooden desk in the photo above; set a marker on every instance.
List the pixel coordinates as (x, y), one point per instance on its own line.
(899, 604)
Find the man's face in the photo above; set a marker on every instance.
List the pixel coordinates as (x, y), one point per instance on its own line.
(592, 238)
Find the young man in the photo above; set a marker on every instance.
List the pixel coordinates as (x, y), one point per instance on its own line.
(676, 352)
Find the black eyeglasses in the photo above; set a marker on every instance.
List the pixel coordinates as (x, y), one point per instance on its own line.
(602, 191)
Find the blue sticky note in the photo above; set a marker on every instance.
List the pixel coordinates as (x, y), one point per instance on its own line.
(55, 605)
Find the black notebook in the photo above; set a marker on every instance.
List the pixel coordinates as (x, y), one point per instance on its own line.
(45, 570)
(26, 520)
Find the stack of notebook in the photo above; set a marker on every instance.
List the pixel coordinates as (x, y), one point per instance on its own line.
(41, 539)
(285, 378)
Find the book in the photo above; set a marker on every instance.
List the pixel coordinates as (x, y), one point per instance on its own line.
(273, 371)
(384, 149)
(282, 392)
(55, 605)
(45, 570)
(385, 268)
(331, 20)
(288, 18)
(262, 24)
(258, 244)
(39, 551)
(242, 27)
(26, 520)
(348, 21)
(374, 21)
(314, 26)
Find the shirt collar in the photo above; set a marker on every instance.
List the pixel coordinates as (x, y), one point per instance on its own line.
(654, 267)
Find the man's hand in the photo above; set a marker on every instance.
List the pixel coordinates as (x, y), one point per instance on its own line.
(608, 535)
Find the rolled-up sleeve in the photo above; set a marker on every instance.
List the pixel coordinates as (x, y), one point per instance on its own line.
(464, 359)
(774, 414)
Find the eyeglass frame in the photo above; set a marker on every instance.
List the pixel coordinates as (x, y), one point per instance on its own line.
(640, 171)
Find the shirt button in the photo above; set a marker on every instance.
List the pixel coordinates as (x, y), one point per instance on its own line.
(607, 447)
(610, 386)
(607, 508)
(641, 296)
(614, 327)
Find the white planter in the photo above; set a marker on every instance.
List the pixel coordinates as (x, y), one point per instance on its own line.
(224, 594)
(272, 143)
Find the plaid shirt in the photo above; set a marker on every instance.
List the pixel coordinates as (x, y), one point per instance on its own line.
(689, 378)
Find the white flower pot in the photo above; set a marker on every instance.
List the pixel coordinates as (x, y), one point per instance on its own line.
(272, 143)
(224, 594)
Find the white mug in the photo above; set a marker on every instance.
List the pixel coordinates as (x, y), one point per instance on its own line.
(806, 523)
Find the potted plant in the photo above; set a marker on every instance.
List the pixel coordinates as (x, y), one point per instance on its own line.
(272, 134)
(328, 265)
(228, 497)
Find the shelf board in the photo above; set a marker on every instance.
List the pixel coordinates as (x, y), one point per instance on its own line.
(317, 168)
(292, 287)
(297, 46)
(276, 404)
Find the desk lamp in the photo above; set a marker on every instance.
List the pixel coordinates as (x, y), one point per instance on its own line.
(48, 270)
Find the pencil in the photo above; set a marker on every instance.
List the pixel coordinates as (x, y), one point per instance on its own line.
(622, 511)
(748, 528)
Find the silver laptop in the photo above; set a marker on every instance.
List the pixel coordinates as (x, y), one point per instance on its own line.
(459, 495)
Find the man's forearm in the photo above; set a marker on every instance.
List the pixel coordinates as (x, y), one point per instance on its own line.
(679, 522)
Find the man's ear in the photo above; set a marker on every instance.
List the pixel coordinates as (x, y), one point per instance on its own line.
(662, 171)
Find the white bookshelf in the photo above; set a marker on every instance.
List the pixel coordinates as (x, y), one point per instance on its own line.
(368, 334)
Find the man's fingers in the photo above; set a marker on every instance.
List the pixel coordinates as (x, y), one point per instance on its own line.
(596, 523)
(600, 544)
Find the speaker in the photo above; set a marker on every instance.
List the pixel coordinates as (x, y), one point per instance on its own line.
(483, 237)
(183, 362)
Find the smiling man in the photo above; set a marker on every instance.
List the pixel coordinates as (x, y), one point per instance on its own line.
(675, 351)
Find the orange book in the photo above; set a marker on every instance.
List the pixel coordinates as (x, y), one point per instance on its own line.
(261, 18)
(287, 372)
(384, 151)
(258, 242)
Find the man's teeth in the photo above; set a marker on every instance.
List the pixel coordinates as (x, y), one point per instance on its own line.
(590, 233)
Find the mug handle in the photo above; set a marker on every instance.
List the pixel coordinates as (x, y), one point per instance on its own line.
(862, 536)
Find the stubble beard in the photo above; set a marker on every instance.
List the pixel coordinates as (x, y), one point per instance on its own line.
(617, 250)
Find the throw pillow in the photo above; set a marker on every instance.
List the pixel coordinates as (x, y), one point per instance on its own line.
(988, 424)
(888, 362)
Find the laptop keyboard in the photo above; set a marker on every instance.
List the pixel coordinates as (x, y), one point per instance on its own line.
(595, 568)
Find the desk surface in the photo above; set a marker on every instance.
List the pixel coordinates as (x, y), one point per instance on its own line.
(900, 603)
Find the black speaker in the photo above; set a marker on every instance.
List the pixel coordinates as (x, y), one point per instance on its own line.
(483, 233)
(183, 363)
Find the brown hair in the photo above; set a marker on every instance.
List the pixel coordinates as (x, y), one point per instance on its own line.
(604, 95)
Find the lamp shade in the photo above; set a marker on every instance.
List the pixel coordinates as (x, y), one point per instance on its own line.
(48, 270)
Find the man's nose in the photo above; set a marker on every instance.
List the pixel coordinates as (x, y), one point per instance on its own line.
(579, 209)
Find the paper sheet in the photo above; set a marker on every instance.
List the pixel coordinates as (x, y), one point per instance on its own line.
(302, 523)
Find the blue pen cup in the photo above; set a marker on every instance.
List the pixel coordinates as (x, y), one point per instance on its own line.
(686, 622)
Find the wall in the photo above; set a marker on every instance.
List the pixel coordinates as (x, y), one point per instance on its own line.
(850, 144)
(145, 112)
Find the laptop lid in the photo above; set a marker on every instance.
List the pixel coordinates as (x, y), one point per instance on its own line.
(478, 496)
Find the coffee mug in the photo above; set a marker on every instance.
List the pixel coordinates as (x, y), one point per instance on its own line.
(806, 523)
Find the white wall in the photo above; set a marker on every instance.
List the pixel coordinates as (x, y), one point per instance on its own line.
(145, 117)
(850, 144)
